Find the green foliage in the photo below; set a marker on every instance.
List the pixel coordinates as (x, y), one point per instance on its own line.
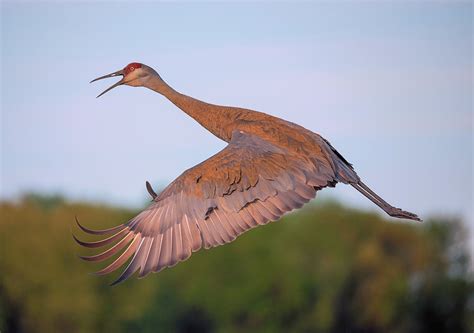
(325, 268)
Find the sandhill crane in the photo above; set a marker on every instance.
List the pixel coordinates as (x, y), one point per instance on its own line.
(269, 167)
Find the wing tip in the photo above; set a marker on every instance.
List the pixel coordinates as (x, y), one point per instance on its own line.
(117, 281)
(150, 190)
(98, 232)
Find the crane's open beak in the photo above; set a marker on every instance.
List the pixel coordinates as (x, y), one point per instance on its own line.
(120, 72)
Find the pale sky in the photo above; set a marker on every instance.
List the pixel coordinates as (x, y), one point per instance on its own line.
(389, 85)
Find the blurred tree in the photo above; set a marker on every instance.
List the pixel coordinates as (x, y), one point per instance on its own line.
(325, 268)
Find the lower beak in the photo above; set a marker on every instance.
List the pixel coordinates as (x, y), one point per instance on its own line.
(117, 73)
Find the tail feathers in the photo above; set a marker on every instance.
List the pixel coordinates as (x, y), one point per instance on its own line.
(344, 170)
(390, 210)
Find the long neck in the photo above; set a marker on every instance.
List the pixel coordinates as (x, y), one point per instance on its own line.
(216, 119)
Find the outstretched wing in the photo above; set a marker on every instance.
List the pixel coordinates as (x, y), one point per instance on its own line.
(249, 183)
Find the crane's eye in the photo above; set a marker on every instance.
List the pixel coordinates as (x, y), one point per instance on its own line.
(130, 67)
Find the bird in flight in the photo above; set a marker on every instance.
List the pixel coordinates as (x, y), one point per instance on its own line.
(269, 167)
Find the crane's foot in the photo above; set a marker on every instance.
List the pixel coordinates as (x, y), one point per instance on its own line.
(399, 213)
(389, 209)
(150, 190)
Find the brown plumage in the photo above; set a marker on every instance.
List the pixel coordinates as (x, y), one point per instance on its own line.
(269, 167)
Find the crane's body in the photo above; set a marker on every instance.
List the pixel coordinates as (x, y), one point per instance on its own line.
(269, 167)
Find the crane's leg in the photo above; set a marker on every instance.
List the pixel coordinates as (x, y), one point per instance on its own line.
(389, 209)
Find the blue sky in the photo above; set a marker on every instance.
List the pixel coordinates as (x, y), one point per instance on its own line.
(389, 84)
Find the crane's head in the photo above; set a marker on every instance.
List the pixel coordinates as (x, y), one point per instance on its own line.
(134, 74)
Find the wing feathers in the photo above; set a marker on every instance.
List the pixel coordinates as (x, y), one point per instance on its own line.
(102, 242)
(177, 249)
(153, 260)
(195, 234)
(134, 264)
(110, 252)
(98, 232)
(249, 183)
(165, 254)
(214, 228)
(147, 251)
(123, 257)
(207, 238)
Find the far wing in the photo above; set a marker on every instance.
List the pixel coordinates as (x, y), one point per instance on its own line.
(249, 183)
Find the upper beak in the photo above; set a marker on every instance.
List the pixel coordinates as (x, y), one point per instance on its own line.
(120, 72)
